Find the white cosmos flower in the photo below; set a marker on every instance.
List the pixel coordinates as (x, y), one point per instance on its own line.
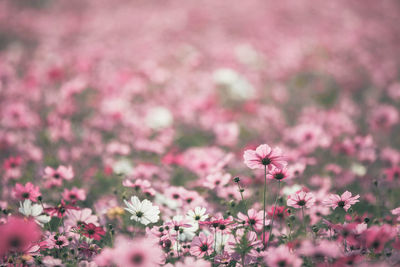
(34, 211)
(143, 212)
(198, 214)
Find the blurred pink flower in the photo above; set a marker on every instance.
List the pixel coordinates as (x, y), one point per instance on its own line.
(281, 256)
(17, 235)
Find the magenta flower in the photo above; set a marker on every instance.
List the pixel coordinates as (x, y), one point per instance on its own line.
(264, 156)
(92, 231)
(344, 201)
(201, 245)
(301, 199)
(27, 191)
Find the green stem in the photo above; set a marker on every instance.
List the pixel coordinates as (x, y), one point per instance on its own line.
(215, 240)
(265, 189)
(304, 225)
(273, 214)
(177, 244)
(245, 206)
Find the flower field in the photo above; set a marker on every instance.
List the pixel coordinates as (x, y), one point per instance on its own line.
(199, 133)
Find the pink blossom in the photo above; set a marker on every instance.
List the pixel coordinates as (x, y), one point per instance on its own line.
(264, 156)
(301, 199)
(344, 201)
(254, 218)
(74, 194)
(18, 235)
(201, 245)
(27, 191)
(281, 256)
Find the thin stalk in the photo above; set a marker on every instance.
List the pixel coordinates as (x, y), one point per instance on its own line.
(245, 206)
(215, 240)
(177, 244)
(304, 225)
(273, 214)
(265, 189)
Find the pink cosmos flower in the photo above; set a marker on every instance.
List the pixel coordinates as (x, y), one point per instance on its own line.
(61, 173)
(252, 242)
(320, 250)
(376, 237)
(138, 184)
(192, 262)
(344, 201)
(301, 199)
(264, 156)
(29, 191)
(278, 174)
(58, 241)
(17, 235)
(219, 222)
(137, 253)
(75, 217)
(392, 174)
(60, 210)
(384, 117)
(281, 256)
(254, 218)
(201, 245)
(92, 231)
(217, 180)
(74, 194)
(12, 167)
(280, 213)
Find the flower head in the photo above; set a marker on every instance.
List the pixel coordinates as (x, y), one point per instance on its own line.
(198, 214)
(253, 218)
(281, 256)
(142, 211)
(35, 211)
(201, 245)
(264, 156)
(278, 174)
(17, 235)
(92, 231)
(344, 201)
(301, 199)
(27, 191)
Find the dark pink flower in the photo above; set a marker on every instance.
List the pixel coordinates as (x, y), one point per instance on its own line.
(92, 231)
(60, 210)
